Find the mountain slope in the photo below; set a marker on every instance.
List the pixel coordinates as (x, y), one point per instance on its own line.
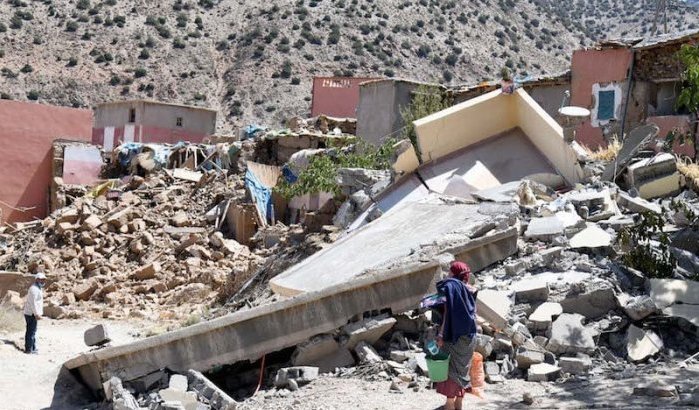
(254, 61)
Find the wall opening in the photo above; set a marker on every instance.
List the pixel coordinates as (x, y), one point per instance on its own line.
(132, 115)
(178, 122)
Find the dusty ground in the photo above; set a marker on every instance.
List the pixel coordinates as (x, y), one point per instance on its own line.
(609, 391)
(28, 382)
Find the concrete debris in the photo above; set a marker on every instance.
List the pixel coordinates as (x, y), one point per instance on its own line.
(578, 365)
(637, 204)
(638, 307)
(569, 335)
(642, 344)
(366, 353)
(323, 352)
(369, 330)
(97, 336)
(526, 358)
(543, 316)
(531, 290)
(301, 375)
(494, 306)
(656, 390)
(591, 237)
(543, 372)
(209, 392)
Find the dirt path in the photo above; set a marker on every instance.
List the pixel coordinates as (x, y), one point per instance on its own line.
(28, 382)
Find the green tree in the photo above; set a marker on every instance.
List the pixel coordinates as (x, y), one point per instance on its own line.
(689, 96)
(426, 100)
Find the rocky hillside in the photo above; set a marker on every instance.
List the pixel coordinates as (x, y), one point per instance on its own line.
(254, 61)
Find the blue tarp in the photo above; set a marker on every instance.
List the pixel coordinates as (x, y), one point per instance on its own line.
(260, 194)
(288, 174)
(128, 151)
(251, 130)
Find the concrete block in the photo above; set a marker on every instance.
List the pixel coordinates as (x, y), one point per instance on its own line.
(547, 227)
(596, 301)
(575, 365)
(188, 399)
(366, 353)
(637, 204)
(178, 382)
(543, 372)
(217, 398)
(401, 355)
(569, 335)
(96, 336)
(530, 290)
(368, 330)
(525, 358)
(665, 292)
(542, 317)
(638, 307)
(324, 353)
(301, 374)
(592, 237)
(484, 344)
(146, 272)
(641, 344)
(494, 306)
(91, 222)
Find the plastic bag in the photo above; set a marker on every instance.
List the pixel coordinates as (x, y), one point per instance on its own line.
(477, 375)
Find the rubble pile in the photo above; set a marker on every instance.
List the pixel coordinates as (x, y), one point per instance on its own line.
(151, 252)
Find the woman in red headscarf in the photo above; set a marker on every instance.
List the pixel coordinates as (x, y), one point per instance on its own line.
(457, 333)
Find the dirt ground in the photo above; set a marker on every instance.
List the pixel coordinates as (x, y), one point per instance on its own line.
(29, 382)
(608, 391)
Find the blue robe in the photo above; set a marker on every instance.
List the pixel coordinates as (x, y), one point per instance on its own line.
(461, 310)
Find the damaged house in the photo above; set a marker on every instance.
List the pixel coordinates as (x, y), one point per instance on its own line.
(629, 82)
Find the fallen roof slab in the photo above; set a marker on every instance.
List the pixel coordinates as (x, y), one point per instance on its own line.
(250, 334)
(396, 235)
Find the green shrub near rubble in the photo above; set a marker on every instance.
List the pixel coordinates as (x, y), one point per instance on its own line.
(426, 100)
(321, 172)
(654, 260)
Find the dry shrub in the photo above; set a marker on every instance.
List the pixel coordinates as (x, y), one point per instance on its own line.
(691, 171)
(11, 319)
(608, 153)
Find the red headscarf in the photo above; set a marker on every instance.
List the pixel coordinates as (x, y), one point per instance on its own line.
(460, 271)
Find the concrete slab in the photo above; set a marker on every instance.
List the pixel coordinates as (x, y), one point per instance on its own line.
(250, 334)
(637, 204)
(323, 352)
(494, 306)
(530, 289)
(542, 317)
(591, 237)
(637, 139)
(665, 292)
(548, 227)
(641, 344)
(543, 372)
(569, 335)
(688, 312)
(486, 164)
(393, 236)
(368, 330)
(575, 365)
(597, 300)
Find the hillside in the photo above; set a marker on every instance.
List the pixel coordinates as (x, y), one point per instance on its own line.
(254, 61)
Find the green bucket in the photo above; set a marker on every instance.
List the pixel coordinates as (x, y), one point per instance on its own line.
(438, 367)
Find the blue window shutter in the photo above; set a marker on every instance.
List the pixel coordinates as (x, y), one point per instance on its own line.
(605, 108)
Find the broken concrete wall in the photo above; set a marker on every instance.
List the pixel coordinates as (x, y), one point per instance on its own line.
(464, 124)
(474, 121)
(380, 105)
(250, 334)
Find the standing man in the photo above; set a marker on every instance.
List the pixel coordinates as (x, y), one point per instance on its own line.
(33, 311)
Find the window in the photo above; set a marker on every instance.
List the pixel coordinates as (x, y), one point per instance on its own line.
(179, 121)
(605, 108)
(132, 115)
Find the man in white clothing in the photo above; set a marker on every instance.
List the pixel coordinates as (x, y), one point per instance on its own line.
(33, 311)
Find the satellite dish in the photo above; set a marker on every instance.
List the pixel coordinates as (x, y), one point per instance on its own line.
(572, 111)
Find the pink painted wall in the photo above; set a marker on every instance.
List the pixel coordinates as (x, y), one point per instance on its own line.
(587, 68)
(336, 96)
(668, 123)
(150, 135)
(82, 164)
(27, 131)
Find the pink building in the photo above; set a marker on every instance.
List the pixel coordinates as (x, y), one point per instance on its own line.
(27, 132)
(150, 121)
(336, 96)
(627, 83)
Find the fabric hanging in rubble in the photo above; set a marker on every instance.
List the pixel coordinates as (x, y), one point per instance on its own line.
(261, 195)
(260, 179)
(127, 151)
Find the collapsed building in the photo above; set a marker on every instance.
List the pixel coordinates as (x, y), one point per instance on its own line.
(557, 290)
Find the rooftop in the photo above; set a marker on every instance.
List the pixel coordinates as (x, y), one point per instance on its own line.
(153, 102)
